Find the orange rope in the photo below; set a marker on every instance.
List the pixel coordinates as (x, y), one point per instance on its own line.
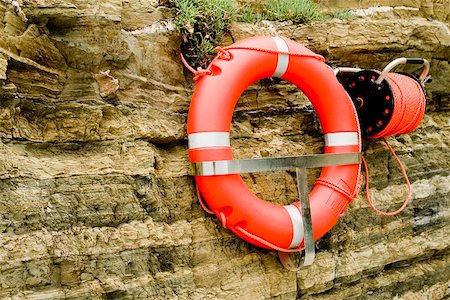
(202, 202)
(223, 219)
(408, 184)
(338, 189)
(320, 57)
(223, 53)
(264, 242)
(199, 73)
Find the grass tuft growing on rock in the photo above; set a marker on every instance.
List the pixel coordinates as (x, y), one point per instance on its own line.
(247, 15)
(202, 24)
(299, 11)
(341, 14)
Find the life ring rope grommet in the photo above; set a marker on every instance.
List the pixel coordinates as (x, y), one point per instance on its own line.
(218, 88)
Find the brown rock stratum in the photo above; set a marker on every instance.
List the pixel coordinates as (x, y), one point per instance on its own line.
(95, 197)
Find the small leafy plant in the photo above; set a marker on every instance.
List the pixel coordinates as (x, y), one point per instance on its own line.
(202, 24)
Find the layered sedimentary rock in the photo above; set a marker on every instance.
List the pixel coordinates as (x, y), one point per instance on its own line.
(96, 201)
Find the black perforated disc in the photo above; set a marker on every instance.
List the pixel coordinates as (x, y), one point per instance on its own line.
(374, 103)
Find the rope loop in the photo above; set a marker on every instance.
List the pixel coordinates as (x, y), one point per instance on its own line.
(405, 176)
(266, 243)
(199, 73)
(223, 219)
(223, 53)
(202, 202)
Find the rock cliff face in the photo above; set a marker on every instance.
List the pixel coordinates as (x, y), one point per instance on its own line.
(95, 197)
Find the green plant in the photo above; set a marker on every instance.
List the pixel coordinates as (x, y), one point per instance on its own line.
(341, 14)
(299, 11)
(248, 15)
(202, 24)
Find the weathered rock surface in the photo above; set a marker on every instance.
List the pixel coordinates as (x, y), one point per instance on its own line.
(95, 197)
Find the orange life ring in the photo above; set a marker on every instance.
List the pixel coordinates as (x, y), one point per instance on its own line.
(208, 128)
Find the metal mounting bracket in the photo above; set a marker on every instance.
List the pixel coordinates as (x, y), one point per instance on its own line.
(302, 188)
(239, 166)
(298, 163)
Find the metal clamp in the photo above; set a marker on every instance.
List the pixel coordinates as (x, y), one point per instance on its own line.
(238, 166)
(402, 60)
(300, 164)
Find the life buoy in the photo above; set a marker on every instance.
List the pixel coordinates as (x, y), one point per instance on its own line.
(208, 128)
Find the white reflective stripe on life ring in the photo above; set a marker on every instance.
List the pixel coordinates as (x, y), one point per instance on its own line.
(283, 59)
(209, 139)
(297, 225)
(341, 139)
